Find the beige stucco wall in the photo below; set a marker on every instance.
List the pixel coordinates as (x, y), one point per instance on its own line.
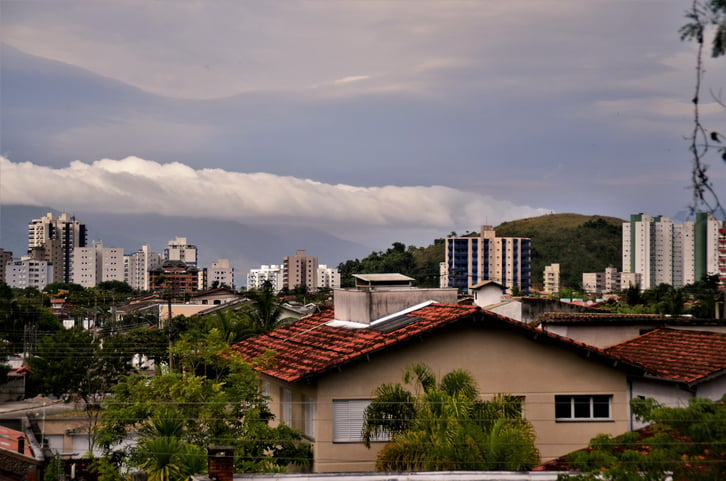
(500, 362)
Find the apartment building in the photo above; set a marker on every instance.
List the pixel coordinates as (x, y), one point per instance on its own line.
(663, 252)
(53, 239)
(137, 266)
(551, 279)
(93, 265)
(609, 281)
(180, 250)
(300, 270)
(256, 278)
(328, 277)
(221, 272)
(470, 260)
(28, 272)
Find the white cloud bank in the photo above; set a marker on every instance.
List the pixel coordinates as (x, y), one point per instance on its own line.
(135, 185)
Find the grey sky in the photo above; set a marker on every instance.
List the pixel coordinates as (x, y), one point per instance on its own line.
(516, 107)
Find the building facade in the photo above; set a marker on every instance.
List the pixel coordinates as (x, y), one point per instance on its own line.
(93, 265)
(256, 278)
(663, 252)
(609, 281)
(137, 266)
(222, 273)
(328, 277)
(28, 272)
(180, 250)
(174, 278)
(300, 270)
(53, 239)
(470, 260)
(551, 279)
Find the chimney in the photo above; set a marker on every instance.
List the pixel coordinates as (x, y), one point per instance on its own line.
(220, 463)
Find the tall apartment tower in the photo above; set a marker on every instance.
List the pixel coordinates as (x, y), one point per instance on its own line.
(300, 270)
(470, 260)
(180, 250)
(666, 253)
(53, 239)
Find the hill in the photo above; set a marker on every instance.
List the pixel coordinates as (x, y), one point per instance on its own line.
(579, 243)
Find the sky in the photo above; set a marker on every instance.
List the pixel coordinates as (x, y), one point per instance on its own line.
(375, 121)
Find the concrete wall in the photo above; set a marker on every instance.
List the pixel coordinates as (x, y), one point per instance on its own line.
(367, 305)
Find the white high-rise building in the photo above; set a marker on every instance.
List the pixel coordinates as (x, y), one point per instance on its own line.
(27, 272)
(328, 277)
(93, 265)
(666, 253)
(53, 238)
(137, 266)
(256, 278)
(222, 273)
(180, 250)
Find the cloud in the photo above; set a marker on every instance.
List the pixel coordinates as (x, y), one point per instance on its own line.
(136, 185)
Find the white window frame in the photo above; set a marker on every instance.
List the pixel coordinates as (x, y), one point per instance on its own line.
(309, 412)
(286, 406)
(592, 399)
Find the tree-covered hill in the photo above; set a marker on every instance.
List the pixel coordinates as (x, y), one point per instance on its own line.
(579, 243)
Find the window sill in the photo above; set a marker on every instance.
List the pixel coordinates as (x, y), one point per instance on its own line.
(585, 420)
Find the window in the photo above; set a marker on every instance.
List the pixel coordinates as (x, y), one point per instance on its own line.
(348, 417)
(309, 428)
(582, 407)
(286, 407)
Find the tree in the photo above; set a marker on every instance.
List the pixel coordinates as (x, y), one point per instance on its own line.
(266, 308)
(688, 443)
(701, 16)
(73, 364)
(443, 426)
(225, 407)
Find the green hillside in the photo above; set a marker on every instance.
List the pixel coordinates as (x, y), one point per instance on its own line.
(579, 243)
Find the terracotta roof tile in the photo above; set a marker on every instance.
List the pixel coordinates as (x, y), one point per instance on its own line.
(682, 355)
(308, 347)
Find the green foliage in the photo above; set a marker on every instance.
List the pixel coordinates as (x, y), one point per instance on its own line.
(442, 425)
(578, 243)
(421, 263)
(23, 312)
(217, 399)
(687, 442)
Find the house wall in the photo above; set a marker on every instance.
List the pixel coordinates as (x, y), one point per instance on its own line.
(500, 361)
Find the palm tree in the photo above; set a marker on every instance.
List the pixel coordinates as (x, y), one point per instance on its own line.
(162, 452)
(442, 425)
(267, 308)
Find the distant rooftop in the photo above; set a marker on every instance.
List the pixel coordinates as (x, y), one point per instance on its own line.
(387, 279)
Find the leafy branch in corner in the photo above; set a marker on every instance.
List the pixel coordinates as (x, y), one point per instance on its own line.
(701, 16)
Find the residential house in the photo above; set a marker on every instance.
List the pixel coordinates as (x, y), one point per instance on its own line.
(695, 361)
(326, 366)
(17, 460)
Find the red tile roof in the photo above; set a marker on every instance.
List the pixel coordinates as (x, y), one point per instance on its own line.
(308, 347)
(9, 441)
(688, 356)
